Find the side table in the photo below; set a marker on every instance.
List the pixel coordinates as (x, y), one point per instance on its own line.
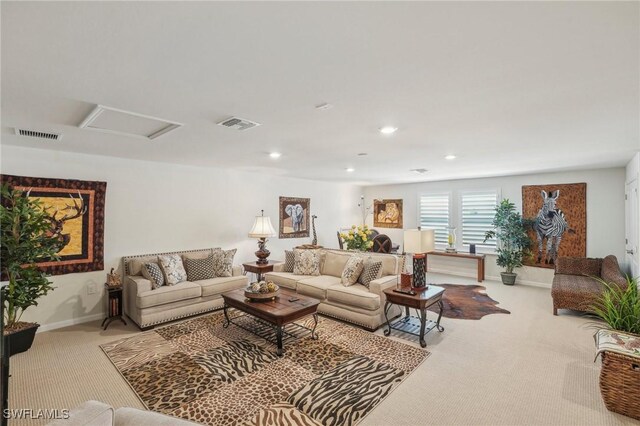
(114, 306)
(423, 299)
(259, 269)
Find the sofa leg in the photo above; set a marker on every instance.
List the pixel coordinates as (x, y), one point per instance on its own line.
(555, 311)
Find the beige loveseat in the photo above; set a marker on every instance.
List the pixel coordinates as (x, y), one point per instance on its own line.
(356, 304)
(147, 307)
(96, 413)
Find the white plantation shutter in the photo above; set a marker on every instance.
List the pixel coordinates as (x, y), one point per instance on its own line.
(478, 210)
(434, 213)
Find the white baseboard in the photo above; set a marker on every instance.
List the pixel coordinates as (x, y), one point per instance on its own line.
(488, 277)
(69, 322)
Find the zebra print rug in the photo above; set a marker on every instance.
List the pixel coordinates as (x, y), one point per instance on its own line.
(202, 372)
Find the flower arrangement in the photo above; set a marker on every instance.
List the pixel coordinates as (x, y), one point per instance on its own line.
(357, 238)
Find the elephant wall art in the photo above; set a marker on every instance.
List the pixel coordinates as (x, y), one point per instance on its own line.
(294, 217)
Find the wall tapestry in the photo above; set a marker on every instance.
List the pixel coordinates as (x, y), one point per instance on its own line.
(559, 217)
(387, 213)
(294, 217)
(77, 210)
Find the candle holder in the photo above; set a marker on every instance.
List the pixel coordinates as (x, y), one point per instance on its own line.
(451, 240)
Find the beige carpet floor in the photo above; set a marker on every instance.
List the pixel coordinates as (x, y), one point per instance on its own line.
(527, 368)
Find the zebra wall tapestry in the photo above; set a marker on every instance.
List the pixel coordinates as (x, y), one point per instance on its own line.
(77, 219)
(558, 214)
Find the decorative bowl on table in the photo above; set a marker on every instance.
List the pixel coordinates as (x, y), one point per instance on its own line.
(261, 291)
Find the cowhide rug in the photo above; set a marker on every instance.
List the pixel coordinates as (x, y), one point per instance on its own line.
(467, 302)
(203, 372)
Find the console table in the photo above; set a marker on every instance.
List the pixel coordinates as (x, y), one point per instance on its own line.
(478, 257)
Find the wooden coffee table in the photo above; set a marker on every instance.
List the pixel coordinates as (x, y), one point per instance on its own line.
(282, 311)
(423, 299)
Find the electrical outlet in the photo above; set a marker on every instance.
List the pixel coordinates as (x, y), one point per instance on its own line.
(92, 288)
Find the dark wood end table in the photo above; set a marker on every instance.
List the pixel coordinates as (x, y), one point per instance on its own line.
(259, 269)
(423, 299)
(282, 310)
(115, 306)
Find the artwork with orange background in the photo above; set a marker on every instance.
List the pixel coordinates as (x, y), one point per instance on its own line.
(76, 209)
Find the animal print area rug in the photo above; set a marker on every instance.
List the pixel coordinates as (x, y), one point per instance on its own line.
(207, 374)
(467, 302)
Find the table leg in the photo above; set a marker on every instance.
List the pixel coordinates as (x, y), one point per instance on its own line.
(279, 340)
(105, 320)
(123, 321)
(480, 270)
(423, 323)
(314, 336)
(259, 276)
(387, 305)
(438, 326)
(407, 312)
(226, 317)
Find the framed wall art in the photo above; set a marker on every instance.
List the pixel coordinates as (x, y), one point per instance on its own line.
(387, 213)
(77, 218)
(294, 217)
(558, 214)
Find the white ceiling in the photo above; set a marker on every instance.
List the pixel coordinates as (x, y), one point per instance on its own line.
(509, 88)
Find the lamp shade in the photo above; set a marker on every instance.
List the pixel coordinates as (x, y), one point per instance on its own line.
(419, 240)
(262, 228)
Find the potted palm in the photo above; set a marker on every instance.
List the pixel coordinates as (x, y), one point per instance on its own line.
(512, 239)
(619, 305)
(25, 239)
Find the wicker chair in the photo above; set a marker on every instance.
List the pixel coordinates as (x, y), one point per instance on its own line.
(573, 286)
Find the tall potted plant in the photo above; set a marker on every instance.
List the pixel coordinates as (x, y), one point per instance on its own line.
(25, 239)
(512, 240)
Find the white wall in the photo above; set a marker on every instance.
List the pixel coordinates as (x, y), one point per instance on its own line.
(156, 207)
(605, 214)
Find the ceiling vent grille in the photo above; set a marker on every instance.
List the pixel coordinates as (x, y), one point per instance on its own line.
(238, 123)
(420, 171)
(38, 135)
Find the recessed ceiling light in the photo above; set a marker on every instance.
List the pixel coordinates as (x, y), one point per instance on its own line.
(450, 157)
(275, 155)
(421, 171)
(387, 130)
(350, 169)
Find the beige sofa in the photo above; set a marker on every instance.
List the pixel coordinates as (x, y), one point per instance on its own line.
(96, 413)
(147, 307)
(356, 304)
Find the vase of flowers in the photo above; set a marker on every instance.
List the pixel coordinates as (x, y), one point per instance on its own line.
(357, 238)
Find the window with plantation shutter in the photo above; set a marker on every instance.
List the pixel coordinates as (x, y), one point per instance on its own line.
(477, 212)
(434, 213)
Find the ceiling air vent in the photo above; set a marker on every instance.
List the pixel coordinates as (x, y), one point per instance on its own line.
(38, 135)
(238, 123)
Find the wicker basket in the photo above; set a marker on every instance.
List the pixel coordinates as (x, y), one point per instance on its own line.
(620, 384)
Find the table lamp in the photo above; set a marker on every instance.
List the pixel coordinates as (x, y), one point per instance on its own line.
(262, 229)
(419, 241)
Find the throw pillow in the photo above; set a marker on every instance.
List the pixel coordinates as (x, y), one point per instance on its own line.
(352, 270)
(199, 269)
(223, 262)
(172, 268)
(153, 273)
(371, 270)
(289, 260)
(306, 262)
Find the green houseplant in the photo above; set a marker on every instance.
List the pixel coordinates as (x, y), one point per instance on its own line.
(619, 305)
(25, 239)
(512, 240)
